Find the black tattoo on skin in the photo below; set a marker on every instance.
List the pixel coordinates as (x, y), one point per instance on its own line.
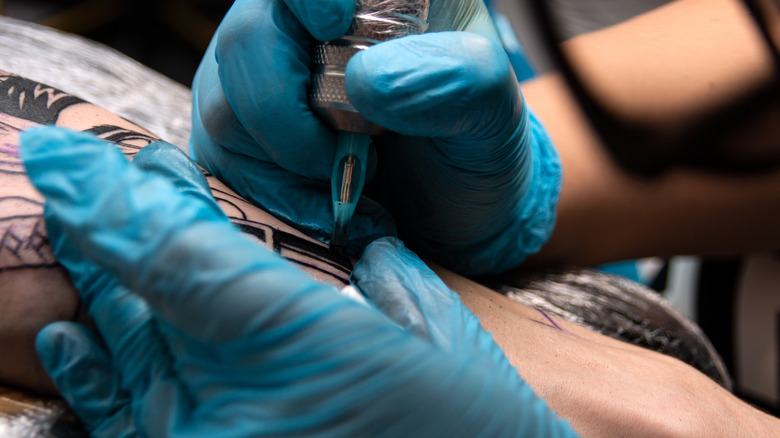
(23, 240)
(297, 250)
(129, 141)
(23, 101)
(30, 100)
(9, 152)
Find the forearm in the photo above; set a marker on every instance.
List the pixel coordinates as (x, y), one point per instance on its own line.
(703, 53)
(34, 289)
(673, 62)
(577, 371)
(606, 387)
(606, 213)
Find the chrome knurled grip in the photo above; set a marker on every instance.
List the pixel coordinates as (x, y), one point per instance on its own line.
(375, 21)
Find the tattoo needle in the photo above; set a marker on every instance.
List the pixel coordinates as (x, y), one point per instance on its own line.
(374, 21)
(347, 179)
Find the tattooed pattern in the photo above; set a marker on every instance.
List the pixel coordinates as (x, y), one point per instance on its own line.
(302, 252)
(23, 239)
(129, 141)
(30, 100)
(10, 127)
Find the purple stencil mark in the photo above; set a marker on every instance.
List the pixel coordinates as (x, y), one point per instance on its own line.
(550, 322)
(10, 149)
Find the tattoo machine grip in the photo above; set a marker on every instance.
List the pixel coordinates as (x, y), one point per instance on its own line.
(374, 21)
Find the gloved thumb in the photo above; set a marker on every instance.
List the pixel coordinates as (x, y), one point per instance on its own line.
(444, 85)
(82, 370)
(401, 285)
(170, 162)
(405, 289)
(324, 19)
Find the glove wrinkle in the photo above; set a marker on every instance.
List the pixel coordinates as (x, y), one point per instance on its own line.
(207, 333)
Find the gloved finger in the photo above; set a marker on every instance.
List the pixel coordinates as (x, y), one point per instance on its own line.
(168, 161)
(378, 276)
(303, 203)
(324, 19)
(412, 295)
(455, 85)
(123, 319)
(179, 253)
(461, 15)
(262, 52)
(83, 371)
(110, 211)
(212, 113)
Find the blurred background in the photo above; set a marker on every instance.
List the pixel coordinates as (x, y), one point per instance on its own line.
(169, 36)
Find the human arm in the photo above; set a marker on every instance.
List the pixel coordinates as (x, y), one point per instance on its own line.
(200, 325)
(35, 289)
(607, 213)
(554, 357)
(608, 404)
(674, 62)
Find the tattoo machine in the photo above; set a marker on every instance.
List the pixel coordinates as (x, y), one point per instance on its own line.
(375, 21)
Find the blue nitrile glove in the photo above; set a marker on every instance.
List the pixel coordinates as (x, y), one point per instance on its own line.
(471, 183)
(251, 123)
(203, 332)
(518, 57)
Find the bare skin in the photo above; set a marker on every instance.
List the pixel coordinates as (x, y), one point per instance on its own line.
(675, 61)
(602, 206)
(702, 52)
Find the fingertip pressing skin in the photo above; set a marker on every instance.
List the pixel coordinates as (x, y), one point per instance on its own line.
(381, 276)
(82, 155)
(63, 346)
(39, 140)
(47, 344)
(82, 371)
(167, 160)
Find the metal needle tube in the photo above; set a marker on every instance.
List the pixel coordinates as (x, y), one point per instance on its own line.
(349, 175)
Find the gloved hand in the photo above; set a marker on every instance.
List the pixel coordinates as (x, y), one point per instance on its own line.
(202, 332)
(471, 178)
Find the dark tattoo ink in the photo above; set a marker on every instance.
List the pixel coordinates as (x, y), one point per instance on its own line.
(297, 250)
(129, 141)
(10, 126)
(9, 152)
(23, 101)
(23, 240)
(549, 321)
(30, 100)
